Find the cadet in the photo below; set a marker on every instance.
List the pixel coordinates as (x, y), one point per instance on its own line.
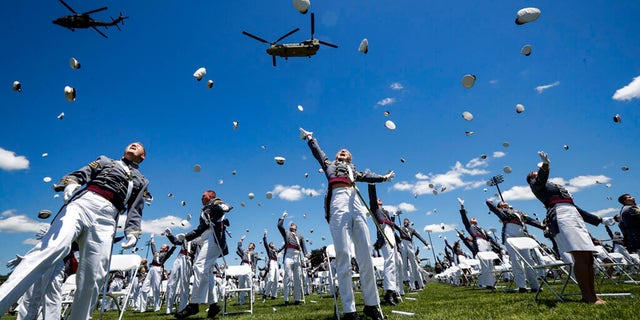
(88, 217)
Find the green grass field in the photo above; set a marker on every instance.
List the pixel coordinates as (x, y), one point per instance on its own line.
(441, 301)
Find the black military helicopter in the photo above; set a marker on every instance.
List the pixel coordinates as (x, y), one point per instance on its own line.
(84, 21)
(305, 48)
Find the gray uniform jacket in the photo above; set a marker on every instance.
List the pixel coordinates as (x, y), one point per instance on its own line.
(407, 233)
(213, 216)
(631, 226)
(510, 215)
(476, 231)
(550, 194)
(109, 176)
(159, 258)
(337, 171)
(292, 240)
(247, 256)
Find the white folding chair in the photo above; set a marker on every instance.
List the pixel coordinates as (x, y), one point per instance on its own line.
(236, 271)
(68, 289)
(378, 265)
(529, 244)
(499, 270)
(125, 263)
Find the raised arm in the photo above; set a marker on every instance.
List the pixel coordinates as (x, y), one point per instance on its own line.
(496, 211)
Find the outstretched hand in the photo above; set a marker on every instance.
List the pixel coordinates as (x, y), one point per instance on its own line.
(461, 202)
(544, 157)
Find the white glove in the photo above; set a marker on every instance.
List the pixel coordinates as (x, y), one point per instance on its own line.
(544, 157)
(153, 239)
(284, 215)
(243, 237)
(389, 176)
(180, 236)
(304, 134)
(265, 232)
(11, 264)
(461, 202)
(167, 231)
(131, 241)
(69, 191)
(609, 221)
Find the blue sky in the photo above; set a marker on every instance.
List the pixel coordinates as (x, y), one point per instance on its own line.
(138, 85)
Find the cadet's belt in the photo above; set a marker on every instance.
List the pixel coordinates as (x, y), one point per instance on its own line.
(274, 259)
(186, 253)
(245, 261)
(292, 246)
(481, 236)
(405, 238)
(104, 193)
(554, 201)
(514, 221)
(156, 265)
(385, 221)
(339, 182)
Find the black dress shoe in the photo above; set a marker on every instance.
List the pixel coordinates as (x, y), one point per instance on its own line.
(297, 302)
(214, 309)
(189, 310)
(388, 298)
(372, 312)
(522, 290)
(396, 299)
(536, 290)
(350, 316)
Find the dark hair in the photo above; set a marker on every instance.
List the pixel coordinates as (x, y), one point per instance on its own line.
(621, 198)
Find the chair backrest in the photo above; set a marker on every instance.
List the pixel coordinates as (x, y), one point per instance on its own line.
(238, 270)
(378, 263)
(69, 284)
(522, 243)
(331, 251)
(125, 262)
(487, 255)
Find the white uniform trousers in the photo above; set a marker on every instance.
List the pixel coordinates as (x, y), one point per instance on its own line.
(178, 283)
(409, 259)
(135, 293)
(400, 270)
(486, 276)
(271, 288)
(143, 295)
(389, 256)
(44, 295)
(203, 278)
(116, 285)
(292, 275)
(244, 281)
(89, 220)
(348, 224)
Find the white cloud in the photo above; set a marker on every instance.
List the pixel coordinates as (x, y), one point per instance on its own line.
(628, 92)
(437, 228)
(452, 179)
(499, 154)
(9, 161)
(20, 224)
(396, 86)
(605, 212)
(386, 101)
(476, 162)
(294, 193)
(157, 226)
(573, 185)
(8, 213)
(493, 81)
(542, 88)
(407, 207)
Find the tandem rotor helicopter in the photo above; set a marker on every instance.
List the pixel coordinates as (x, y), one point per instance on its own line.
(84, 21)
(305, 48)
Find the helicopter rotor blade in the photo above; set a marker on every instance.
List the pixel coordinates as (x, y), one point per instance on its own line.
(255, 37)
(68, 7)
(286, 35)
(96, 10)
(274, 60)
(328, 44)
(313, 28)
(98, 31)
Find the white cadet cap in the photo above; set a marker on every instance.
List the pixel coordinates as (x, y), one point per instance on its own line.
(210, 84)
(197, 168)
(364, 46)
(61, 116)
(617, 118)
(44, 214)
(74, 63)
(302, 5)
(200, 73)
(526, 50)
(269, 195)
(505, 144)
(469, 133)
(251, 195)
(70, 93)
(279, 160)
(300, 108)
(17, 86)
(390, 125)
(46, 179)
(566, 147)
(527, 15)
(624, 168)
(467, 116)
(506, 169)
(468, 80)
(519, 108)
